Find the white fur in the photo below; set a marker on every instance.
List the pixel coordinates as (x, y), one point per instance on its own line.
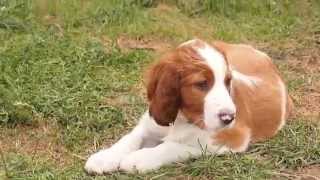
(283, 103)
(149, 146)
(261, 53)
(250, 81)
(146, 132)
(147, 159)
(188, 42)
(181, 141)
(218, 98)
(104, 161)
(189, 134)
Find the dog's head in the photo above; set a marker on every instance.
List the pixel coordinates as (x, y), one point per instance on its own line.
(194, 79)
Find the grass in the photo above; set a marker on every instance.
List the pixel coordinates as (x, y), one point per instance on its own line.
(68, 88)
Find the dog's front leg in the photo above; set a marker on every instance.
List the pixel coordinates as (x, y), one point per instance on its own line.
(147, 159)
(146, 133)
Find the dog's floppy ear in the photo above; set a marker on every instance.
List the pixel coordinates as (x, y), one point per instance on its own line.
(163, 91)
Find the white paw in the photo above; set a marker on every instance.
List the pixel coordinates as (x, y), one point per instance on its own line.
(142, 160)
(103, 161)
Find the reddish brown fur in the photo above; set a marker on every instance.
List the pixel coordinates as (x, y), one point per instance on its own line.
(258, 108)
(163, 92)
(173, 87)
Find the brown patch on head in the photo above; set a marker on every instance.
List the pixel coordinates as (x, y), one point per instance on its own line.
(179, 82)
(195, 84)
(222, 48)
(164, 92)
(188, 50)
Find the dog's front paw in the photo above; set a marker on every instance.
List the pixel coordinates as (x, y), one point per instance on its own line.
(142, 161)
(103, 161)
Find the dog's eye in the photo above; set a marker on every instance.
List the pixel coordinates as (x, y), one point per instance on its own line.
(227, 80)
(202, 85)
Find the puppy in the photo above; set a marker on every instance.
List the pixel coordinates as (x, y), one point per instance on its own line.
(203, 98)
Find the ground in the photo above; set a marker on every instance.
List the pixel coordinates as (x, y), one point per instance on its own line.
(71, 81)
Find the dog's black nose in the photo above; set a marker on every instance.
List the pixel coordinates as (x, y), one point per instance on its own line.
(226, 116)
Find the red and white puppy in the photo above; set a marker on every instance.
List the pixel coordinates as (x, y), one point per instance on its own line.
(215, 96)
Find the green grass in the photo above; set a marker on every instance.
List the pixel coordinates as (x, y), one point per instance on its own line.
(296, 146)
(67, 87)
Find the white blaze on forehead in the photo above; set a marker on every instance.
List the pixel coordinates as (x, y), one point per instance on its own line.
(218, 98)
(209, 54)
(215, 61)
